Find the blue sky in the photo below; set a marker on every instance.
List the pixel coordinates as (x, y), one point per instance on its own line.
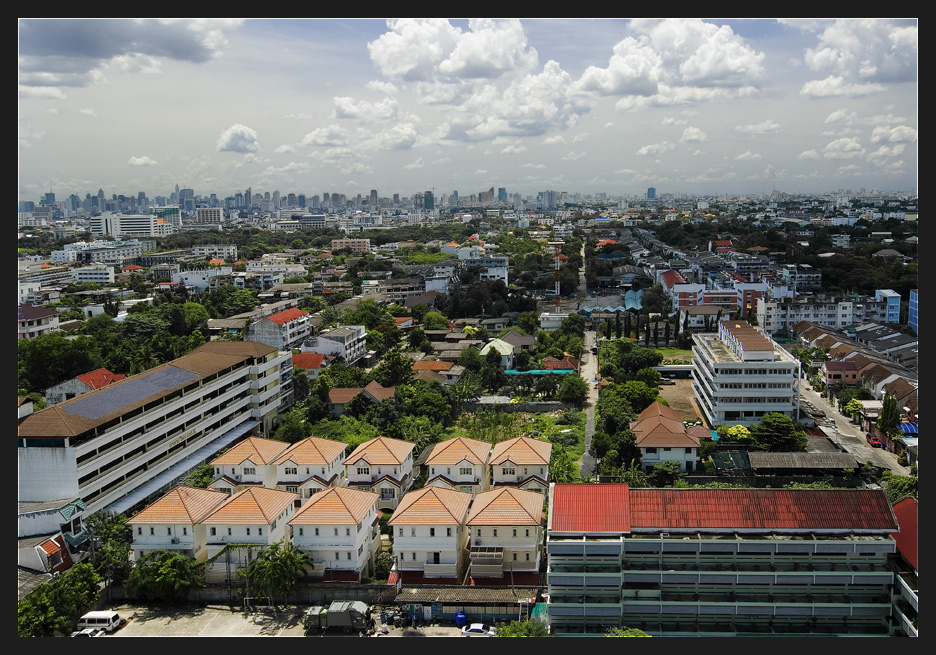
(585, 105)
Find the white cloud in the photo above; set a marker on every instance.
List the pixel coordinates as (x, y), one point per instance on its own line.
(365, 111)
(298, 116)
(419, 163)
(693, 135)
(884, 153)
(899, 134)
(608, 125)
(874, 50)
(332, 135)
(836, 86)
(655, 148)
(88, 112)
(580, 137)
(844, 148)
(764, 127)
(489, 49)
(573, 156)
(532, 166)
(283, 149)
(142, 161)
(748, 156)
(387, 88)
(842, 116)
(513, 150)
(553, 140)
(398, 137)
(440, 161)
(808, 155)
(238, 138)
(669, 120)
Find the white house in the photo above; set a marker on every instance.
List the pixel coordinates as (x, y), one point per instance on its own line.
(249, 463)
(522, 462)
(311, 465)
(429, 533)
(383, 466)
(506, 527)
(504, 349)
(460, 463)
(284, 330)
(253, 519)
(339, 530)
(174, 523)
(348, 342)
(662, 437)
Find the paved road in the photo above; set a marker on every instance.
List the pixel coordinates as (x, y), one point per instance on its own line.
(589, 372)
(850, 436)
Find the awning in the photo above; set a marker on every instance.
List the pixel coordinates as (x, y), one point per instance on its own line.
(910, 428)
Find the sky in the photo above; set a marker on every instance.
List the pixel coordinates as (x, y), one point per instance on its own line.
(313, 106)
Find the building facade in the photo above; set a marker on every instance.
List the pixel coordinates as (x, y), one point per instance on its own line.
(738, 375)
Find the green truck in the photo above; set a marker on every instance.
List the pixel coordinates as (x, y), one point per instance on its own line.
(349, 615)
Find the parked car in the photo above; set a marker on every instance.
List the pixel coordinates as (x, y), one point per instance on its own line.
(89, 632)
(478, 630)
(873, 440)
(666, 381)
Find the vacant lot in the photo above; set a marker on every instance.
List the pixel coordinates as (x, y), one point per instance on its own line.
(681, 398)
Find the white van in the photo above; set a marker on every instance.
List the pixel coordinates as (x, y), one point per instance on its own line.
(107, 621)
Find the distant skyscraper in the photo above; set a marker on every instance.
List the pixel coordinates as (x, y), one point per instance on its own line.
(248, 198)
(276, 200)
(396, 198)
(651, 193)
(301, 200)
(429, 200)
(373, 198)
(502, 194)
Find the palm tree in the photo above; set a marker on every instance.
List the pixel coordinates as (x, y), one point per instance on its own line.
(275, 571)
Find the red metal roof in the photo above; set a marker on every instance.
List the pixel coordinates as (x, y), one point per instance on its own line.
(100, 378)
(308, 360)
(590, 508)
(767, 509)
(907, 539)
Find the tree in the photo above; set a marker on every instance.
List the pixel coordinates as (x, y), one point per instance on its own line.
(561, 465)
(573, 389)
(626, 632)
(49, 359)
(435, 320)
(166, 576)
(275, 571)
(638, 394)
(898, 486)
(111, 539)
(778, 433)
(854, 408)
(889, 419)
(394, 369)
(55, 606)
(200, 476)
(293, 427)
(526, 628)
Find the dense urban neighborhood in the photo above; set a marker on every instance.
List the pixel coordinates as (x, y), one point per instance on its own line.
(487, 416)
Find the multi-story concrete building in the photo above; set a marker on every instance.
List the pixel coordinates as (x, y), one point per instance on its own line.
(892, 304)
(719, 562)
(98, 274)
(739, 375)
(348, 342)
(354, 245)
(780, 315)
(913, 319)
(118, 446)
(224, 251)
(35, 321)
(131, 225)
(284, 330)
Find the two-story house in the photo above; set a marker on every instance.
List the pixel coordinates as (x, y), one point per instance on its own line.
(662, 437)
(173, 523)
(249, 463)
(339, 530)
(310, 465)
(250, 521)
(506, 528)
(284, 330)
(429, 534)
(338, 397)
(383, 466)
(522, 462)
(460, 463)
(348, 342)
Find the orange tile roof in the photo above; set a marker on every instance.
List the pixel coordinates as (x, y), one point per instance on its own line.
(313, 450)
(336, 505)
(506, 506)
(522, 450)
(252, 506)
(181, 505)
(342, 394)
(256, 449)
(283, 317)
(308, 360)
(431, 506)
(659, 425)
(100, 378)
(453, 451)
(381, 450)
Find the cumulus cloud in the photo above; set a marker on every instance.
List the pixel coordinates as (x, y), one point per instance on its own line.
(553, 140)
(899, 134)
(88, 112)
(532, 166)
(884, 153)
(844, 148)
(365, 111)
(398, 137)
(283, 149)
(748, 156)
(26, 135)
(573, 156)
(808, 155)
(331, 135)
(419, 163)
(64, 52)
(693, 135)
(513, 150)
(238, 138)
(142, 161)
(669, 120)
(871, 49)
(837, 86)
(655, 148)
(387, 88)
(842, 116)
(764, 127)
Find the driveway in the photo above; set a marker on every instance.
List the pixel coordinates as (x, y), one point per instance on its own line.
(589, 372)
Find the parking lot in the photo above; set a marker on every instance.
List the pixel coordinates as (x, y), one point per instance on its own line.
(223, 621)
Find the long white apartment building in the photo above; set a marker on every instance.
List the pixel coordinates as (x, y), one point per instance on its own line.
(118, 446)
(739, 375)
(780, 315)
(133, 225)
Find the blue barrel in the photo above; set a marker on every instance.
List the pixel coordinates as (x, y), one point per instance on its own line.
(461, 620)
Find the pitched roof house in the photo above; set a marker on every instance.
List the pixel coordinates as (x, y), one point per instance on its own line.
(310, 465)
(522, 462)
(460, 463)
(250, 462)
(383, 466)
(661, 437)
(81, 384)
(506, 527)
(173, 522)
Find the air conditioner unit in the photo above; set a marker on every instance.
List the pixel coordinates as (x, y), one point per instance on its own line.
(664, 535)
(174, 540)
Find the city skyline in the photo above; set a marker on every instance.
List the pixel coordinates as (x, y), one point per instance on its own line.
(587, 105)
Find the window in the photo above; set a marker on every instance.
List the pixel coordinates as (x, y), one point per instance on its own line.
(479, 532)
(348, 554)
(515, 532)
(292, 488)
(495, 532)
(337, 556)
(249, 470)
(412, 532)
(651, 451)
(229, 532)
(316, 532)
(291, 470)
(336, 532)
(363, 470)
(347, 532)
(528, 557)
(448, 532)
(184, 532)
(508, 471)
(140, 531)
(431, 532)
(152, 531)
(527, 532)
(515, 557)
(300, 532)
(465, 470)
(248, 532)
(400, 533)
(213, 532)
(688, 451)
(414, 557)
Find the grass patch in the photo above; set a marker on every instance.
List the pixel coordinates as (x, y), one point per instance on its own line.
(674, 353)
